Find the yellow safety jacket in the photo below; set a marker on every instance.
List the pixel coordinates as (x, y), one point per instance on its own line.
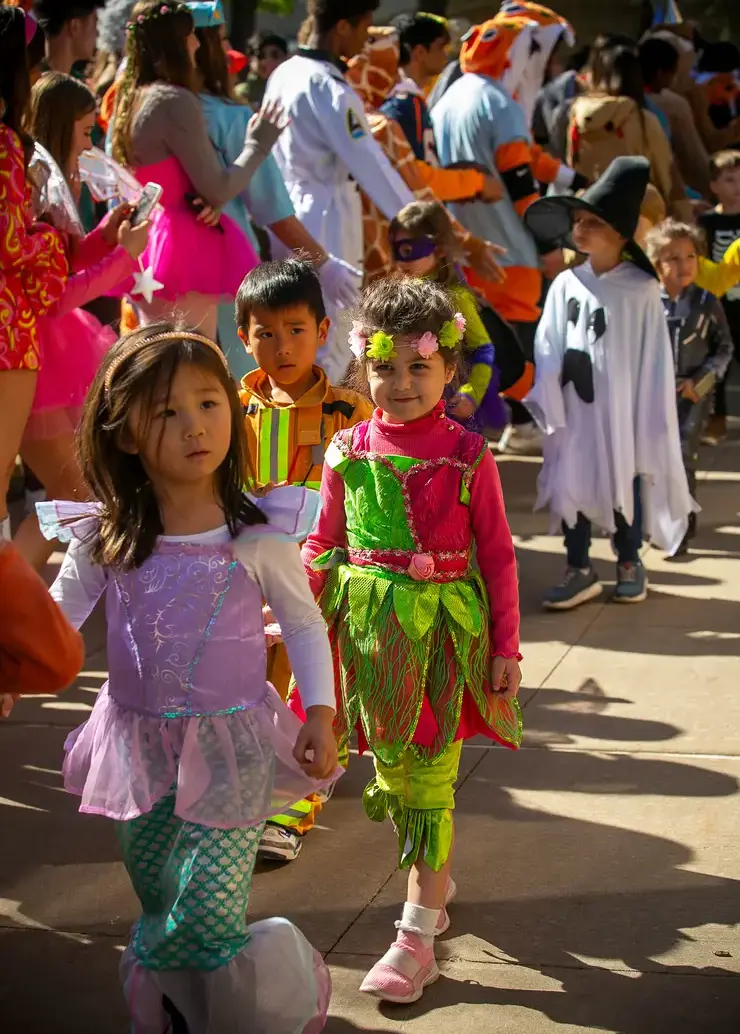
(287, 443)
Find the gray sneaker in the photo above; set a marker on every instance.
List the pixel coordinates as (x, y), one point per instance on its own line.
(632, 583)
(578, 586)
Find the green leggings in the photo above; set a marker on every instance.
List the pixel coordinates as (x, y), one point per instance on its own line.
(418, 797)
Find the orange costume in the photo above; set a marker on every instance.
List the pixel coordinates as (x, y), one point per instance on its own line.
(40, 652)
(33, 265)
(373, 73)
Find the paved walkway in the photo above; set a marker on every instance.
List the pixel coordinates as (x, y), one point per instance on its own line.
(599, 869)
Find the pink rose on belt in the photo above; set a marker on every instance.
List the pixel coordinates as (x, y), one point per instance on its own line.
(421, 567)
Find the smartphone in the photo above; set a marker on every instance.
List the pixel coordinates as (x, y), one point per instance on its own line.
(146, 204)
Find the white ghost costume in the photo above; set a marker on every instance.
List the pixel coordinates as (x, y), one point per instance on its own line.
(605, 398)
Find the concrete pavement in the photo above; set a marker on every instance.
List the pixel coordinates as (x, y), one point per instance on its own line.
(598, 867)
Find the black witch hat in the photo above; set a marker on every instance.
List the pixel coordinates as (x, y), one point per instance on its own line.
(615, 197)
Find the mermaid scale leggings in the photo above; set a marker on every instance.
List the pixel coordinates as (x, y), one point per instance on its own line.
(193, 884)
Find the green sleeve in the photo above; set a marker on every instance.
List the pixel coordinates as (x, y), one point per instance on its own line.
(476, 336)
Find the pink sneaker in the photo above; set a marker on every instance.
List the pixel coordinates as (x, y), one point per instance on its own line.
(443, 923)
(403, 972)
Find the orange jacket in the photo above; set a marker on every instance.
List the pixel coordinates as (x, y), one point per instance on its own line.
(40, 652)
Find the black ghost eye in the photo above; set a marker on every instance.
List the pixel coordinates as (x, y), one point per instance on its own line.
(574, 311)
(488, 35)
(597, 323)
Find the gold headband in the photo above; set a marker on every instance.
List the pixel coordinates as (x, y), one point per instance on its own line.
(135, 346)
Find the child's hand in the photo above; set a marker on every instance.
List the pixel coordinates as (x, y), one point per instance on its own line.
(506, 677)
(461, 407)
(316, 739)
(133, 238)
(687, 390)
(7, 700)
(109, 227)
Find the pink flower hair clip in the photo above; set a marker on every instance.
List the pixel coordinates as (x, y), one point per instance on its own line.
(357, 340)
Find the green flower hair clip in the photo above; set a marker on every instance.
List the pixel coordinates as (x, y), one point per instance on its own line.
(380, 346)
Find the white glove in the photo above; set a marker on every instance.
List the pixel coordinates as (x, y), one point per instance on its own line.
(340, 282)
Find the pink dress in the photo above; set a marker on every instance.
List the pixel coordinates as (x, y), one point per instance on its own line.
(185, 254)
(72, 341)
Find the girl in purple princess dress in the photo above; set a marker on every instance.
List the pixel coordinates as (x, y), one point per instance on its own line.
(188, 748)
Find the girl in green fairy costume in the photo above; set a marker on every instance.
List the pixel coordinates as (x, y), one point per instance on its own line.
(426, 647)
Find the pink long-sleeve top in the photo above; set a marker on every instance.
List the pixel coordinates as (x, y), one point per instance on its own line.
(431, 437)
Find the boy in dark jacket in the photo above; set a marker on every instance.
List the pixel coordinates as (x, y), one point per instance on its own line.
(700, 337)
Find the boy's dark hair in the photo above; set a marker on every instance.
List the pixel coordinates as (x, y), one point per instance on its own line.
(267, 39)
(323, 15)
(53, 15)
(418, 29)
(137, 369)
(278, 285)
(723, 161)
(656, 56)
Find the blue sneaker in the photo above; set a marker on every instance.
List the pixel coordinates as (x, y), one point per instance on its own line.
(578, 586)
(632, 583)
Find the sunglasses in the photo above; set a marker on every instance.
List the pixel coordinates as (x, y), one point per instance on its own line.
(411, 250)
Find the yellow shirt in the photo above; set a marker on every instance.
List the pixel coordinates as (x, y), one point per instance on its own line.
(719, 277)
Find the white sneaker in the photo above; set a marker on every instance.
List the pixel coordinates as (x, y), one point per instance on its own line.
(278, 844)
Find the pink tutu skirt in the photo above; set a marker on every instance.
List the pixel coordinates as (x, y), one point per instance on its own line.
(246, 996)
(186, 255)
(72, 348)
(230, 771)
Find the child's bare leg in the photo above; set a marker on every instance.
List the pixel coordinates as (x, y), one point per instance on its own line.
(427, 887)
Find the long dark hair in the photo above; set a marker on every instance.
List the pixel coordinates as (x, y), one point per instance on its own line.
(57, 102)
(135, 371)
(618, 73)
(210, 60)
(15, 83)
(156, 52)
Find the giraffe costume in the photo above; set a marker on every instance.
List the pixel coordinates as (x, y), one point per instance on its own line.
(373, 73)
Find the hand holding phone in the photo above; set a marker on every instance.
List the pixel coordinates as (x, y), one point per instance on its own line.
(146, 204)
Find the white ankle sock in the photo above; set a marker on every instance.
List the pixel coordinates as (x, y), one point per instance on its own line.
(421, 921)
